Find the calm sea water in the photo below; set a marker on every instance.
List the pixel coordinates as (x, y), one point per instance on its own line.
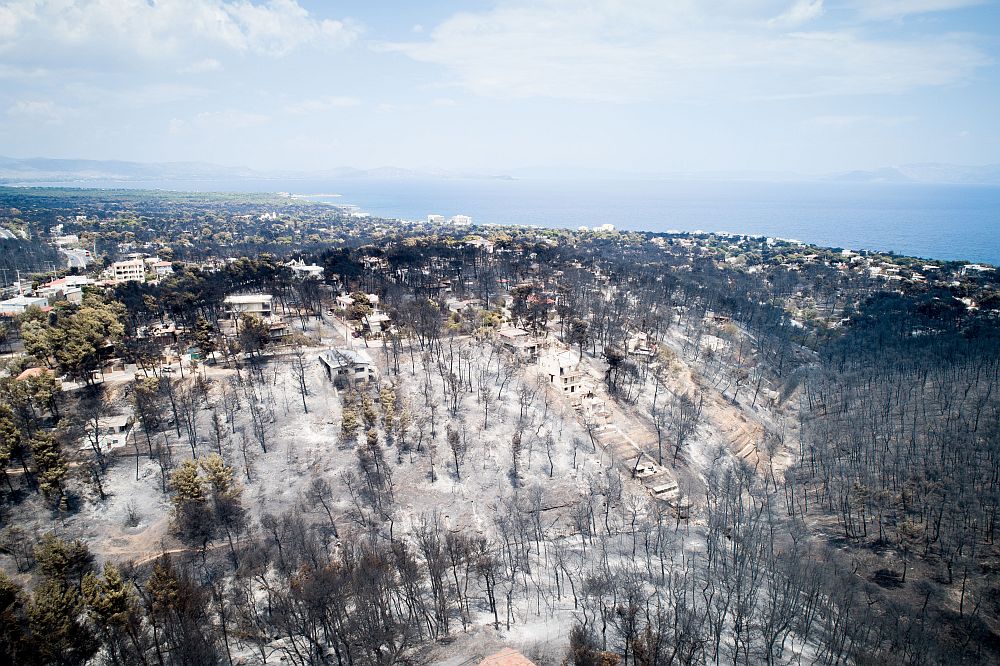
(930, 221)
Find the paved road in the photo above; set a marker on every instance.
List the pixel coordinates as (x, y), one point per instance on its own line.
(76, 258)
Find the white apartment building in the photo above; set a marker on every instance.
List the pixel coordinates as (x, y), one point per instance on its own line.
(131, 270)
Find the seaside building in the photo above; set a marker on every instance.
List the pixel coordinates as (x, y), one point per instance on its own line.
(461, 220)
(159, 267)
(302, 270)
(133, 270)
(68, 288)
(481, 244)
(255, 304)
(435, 219)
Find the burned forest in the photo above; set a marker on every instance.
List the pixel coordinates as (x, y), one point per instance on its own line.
(261, 431)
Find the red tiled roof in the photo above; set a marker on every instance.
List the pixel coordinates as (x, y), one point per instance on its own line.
(33, 372)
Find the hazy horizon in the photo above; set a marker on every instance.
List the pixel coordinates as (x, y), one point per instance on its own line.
(991, 171)
(791, 86)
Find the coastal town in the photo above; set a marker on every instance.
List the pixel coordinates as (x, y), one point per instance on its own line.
(503, 333)
(517, 441)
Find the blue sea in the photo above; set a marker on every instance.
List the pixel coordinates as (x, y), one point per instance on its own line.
(929, 221)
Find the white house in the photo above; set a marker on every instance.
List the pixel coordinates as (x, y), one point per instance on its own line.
(563, 370)
(376, 323)
(19, 304)
(255, 304)
(302, 270)
(481, 243)
(435, 219)
(50, 288)
(159, 267)
(458, 305)
(112, 433)
(375, 263)
(461, 220)
(346, 367)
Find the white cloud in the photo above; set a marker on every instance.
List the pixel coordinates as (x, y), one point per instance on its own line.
(618, 52)
(231, 119)
(11, 72)
(164, 29)
(201, 66)
(310, 106)
(9, 21)
(895, 9)
(798, 14)
(155, 94)
(176, 127)
(45, 111)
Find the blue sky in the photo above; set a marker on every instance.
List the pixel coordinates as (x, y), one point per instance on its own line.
(658, 86)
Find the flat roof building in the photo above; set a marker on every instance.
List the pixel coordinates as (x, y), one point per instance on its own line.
(133, 270)
(519, 342)
(256, 304)
(563, 370)
(19, 304)
(302, 270)
(112, 433)
(347, 367)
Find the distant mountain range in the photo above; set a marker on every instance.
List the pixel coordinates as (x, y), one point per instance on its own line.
(928, 172)
(26, 171)
(42, 169)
